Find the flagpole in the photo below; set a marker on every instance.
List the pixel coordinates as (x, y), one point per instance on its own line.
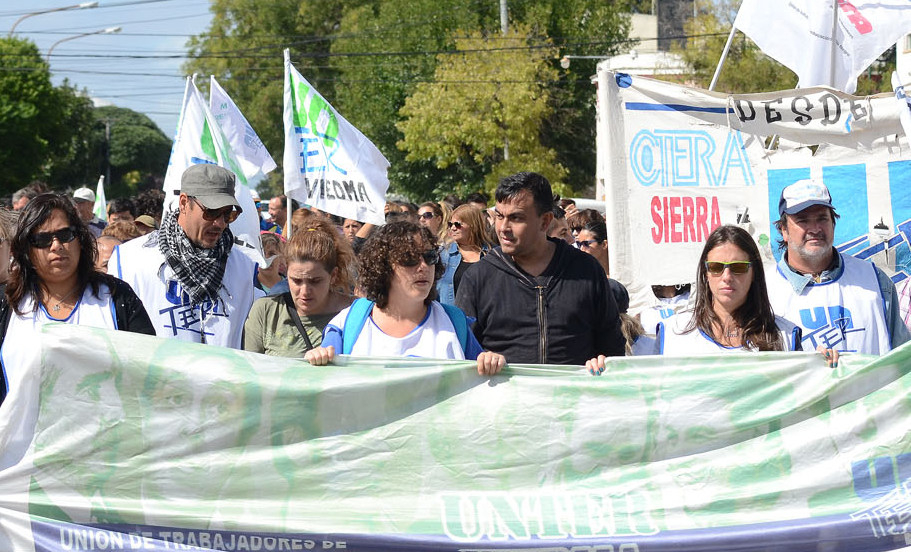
(724, 55)
(832, 43)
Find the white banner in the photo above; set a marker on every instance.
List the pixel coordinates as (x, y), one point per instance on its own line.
(328, 163)
(676, 162)
(249, 149)
(825, 43)
(201, 140)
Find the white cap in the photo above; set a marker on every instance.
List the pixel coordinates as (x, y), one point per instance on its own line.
(84, 194)
(254, 195)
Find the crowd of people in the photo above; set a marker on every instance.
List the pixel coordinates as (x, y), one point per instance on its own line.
(524, 281)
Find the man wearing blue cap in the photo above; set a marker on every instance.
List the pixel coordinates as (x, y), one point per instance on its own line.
(839, 301)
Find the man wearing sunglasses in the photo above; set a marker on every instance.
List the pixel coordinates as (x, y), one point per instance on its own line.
(839, 301)
(195, 285)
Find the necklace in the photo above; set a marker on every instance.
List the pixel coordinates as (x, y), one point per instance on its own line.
(56, 308)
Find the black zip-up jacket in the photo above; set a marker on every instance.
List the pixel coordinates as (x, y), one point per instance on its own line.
(566, 315)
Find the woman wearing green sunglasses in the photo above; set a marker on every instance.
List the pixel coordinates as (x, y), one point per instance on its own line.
(732, 312)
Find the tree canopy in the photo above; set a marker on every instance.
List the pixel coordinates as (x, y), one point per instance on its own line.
(29, 112)
(485, 107)
(368, 57)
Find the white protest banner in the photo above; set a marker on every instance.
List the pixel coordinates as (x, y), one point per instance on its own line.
(201, 140)
(328, 163)
(100, 209)
(135, 442)
(826, 43)
(676, 162)
(246, 145)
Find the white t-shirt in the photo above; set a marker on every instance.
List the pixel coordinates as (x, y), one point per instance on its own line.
(434, 337)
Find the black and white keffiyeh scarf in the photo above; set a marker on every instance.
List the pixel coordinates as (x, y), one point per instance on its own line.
(198, 270)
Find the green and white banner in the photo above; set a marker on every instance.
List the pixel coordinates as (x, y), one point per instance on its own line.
(126, 442)
(328, 162)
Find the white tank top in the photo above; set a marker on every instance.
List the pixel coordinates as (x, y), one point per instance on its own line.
(673, 341)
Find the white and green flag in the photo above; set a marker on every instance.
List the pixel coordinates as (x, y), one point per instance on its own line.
(245, 143)
(118, 441)
(328, 163)
(201, 140)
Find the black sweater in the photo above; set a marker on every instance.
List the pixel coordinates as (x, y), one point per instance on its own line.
(566, 315)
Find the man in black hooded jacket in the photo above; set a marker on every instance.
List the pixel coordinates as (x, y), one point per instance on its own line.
(538, 300)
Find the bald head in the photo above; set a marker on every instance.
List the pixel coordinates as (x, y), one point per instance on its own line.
(106, 245)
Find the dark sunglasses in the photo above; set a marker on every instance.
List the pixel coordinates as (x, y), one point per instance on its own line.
(455, 224)
(715, 268)
(430, 257)
(229, 213)
(426, 215)
(585, 243)
(43, 240)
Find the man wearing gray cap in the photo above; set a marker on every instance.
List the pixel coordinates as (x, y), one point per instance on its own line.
(194, 285)
(839, 301)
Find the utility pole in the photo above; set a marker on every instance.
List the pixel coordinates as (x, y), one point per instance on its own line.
(504, 28)
(504, 17)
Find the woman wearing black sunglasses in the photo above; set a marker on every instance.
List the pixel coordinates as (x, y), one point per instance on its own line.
(53, 279)
(399, 265)
(470, 241)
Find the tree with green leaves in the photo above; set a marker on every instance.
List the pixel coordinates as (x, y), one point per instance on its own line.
(366, 57)
(29, 112)
(485, 106)
(75, 154)
(136, 144)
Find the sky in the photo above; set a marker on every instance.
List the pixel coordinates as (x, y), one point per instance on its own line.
(138, 68)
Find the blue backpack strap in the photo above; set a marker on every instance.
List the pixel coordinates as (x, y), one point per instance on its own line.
(459, 322)
(354, 323)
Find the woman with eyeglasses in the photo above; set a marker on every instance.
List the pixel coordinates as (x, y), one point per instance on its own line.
(53, 279)
(732, 312)
(320, 264)
(399, 265)
(470, 241)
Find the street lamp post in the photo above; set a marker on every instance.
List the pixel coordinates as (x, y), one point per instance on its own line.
(109, 30)
(82, 6)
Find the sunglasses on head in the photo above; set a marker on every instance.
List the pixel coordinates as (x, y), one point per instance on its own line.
(715, 268)
(426, 215)
(455, 224)
(43, 240)
(229, 213)
(430, 257)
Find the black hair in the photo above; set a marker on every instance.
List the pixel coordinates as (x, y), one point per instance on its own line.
(122, 204)
(537, 185)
